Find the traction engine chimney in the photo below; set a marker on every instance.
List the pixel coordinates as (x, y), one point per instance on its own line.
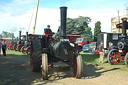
(19, 35)
(124, 26)
(26, 36)
(63, 15)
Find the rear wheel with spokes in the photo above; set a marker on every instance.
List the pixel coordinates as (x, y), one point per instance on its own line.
(113, 57)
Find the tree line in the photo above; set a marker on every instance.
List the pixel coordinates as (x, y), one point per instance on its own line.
(6, 34)
(80, 26)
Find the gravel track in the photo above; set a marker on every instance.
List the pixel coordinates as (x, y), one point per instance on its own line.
(15, 70)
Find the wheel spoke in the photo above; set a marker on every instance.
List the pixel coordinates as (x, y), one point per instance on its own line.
(113, 57)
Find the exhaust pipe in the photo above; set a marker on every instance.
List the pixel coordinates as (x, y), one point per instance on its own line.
(27, 36)
(19, 35)
(124, 25)
(63, 16)
(12, 36)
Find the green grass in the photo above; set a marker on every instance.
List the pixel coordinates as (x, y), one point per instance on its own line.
(16, 53)
(90, 58)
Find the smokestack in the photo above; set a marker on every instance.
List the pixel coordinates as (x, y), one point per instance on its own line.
(63, 15)
(127, 11)
(17, 39)
(124, 25)
(19, 35)
(12, 36)
(26, 36)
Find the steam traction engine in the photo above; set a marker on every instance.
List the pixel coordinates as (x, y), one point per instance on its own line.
(26, 47)
(55, 47)
(116, 55)
(17, 46)
(11, 44)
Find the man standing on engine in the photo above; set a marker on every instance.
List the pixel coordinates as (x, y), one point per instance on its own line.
(47, 29)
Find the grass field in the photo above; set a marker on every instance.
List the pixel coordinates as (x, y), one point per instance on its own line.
(88, 58)
(16, 53)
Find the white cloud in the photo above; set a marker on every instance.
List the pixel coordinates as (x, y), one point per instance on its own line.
(16, 16)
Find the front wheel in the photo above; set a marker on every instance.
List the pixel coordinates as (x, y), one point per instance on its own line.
(14, 47)
(28, 50)
(78, 66)
(44, 66)
(126, 59)
(113, 57)
(22, 50)
(35, 55)
(19, 48)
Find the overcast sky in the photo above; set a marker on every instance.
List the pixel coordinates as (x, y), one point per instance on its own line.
(15, 15)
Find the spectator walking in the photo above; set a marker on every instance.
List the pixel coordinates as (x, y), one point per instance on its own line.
(4, 48)
(101, 50)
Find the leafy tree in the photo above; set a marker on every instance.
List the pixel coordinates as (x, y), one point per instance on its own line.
(7, 34)
(97, 29)
(79, 26)
(88, 34)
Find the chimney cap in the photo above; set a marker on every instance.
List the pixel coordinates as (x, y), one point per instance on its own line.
(63, 7)
(124, 18)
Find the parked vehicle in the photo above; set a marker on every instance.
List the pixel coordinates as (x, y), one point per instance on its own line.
(93, 47)
(86, 48)
(82, 42)
(73, 37)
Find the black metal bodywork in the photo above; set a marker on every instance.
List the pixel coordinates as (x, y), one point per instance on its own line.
(58, 47)
(123, 43)
(55, 47)
(108, 37)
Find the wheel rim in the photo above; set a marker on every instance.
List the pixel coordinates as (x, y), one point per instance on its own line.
(19, 48)
(114, 57)
(78, 67)
(31, 59)
(22, 50)
(126, 59)
(75, 66)
(31, 62)
(15, 47)
(44, 66)
(28, 51)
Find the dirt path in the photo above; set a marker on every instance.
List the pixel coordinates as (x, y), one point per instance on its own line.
(15, 70)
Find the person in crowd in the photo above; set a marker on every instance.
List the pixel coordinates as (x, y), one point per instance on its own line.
(111, 46)
(4, 48)
(101, 51)
(0, 47)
